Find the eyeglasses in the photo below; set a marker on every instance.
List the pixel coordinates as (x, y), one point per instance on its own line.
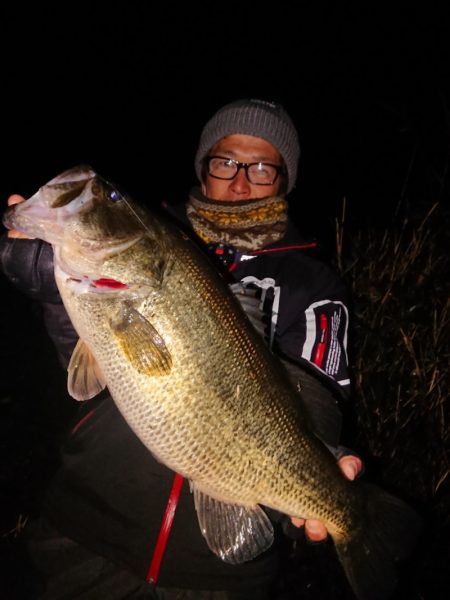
(258, 173)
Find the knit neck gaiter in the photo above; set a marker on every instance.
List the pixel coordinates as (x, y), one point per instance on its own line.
(244, 224)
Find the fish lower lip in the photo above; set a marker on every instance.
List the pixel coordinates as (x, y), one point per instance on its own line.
(7, 218)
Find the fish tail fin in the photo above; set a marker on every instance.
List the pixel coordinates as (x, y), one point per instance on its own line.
(389, 532)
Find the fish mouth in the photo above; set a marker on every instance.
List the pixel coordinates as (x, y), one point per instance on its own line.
(38, 220)
(7, 219)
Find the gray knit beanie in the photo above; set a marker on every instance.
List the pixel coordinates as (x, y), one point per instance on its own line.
(267, 120)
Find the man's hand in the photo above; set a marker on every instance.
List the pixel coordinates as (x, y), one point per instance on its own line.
(13, 233)
(315, 530)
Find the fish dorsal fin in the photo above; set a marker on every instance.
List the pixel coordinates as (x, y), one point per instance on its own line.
(141, 343)
(235, 533)
(85, 378)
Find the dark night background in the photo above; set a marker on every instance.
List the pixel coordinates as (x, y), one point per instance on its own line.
(127, 87)
(129, 91)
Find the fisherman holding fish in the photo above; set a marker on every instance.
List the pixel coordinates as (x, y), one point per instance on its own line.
(116, 523)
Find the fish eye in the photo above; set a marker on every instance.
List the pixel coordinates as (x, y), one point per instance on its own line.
(114, 195)
(105, 189)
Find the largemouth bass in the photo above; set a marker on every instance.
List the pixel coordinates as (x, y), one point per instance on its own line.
(161, 329)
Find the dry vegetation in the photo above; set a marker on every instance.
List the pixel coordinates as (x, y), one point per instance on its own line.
(400, 281)
(400, 347)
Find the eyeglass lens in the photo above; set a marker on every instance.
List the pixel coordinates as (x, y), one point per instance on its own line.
(258, 173)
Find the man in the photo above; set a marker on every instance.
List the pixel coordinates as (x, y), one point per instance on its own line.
(99, 534)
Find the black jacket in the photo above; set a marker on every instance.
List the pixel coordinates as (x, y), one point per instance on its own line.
(110, 494)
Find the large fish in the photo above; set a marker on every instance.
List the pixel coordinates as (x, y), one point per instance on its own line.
(160, 328)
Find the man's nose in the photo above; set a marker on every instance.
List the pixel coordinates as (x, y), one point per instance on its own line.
(240, 184)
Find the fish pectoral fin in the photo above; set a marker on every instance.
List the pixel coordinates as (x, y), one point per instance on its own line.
(144, 348)
(85, 379)
(235, 533)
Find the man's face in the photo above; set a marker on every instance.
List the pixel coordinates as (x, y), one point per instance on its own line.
(245, 149)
